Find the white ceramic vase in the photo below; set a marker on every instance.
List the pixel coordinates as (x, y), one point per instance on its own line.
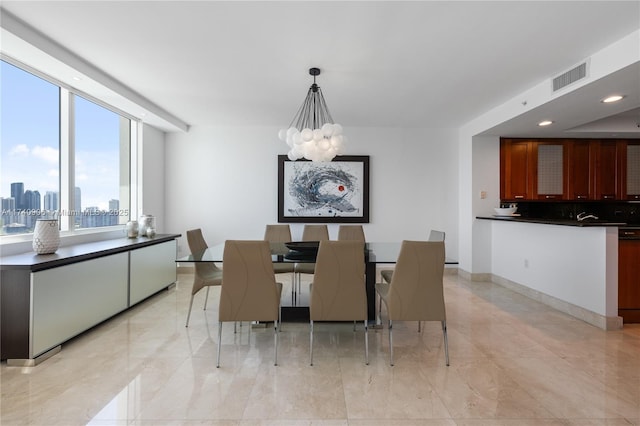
(46, 236)
(132, 229)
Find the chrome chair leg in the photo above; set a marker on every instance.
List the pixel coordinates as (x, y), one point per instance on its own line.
(366, 342)
(311, 342)
(446, 342)
(206, 298)
(294, 295)
(275, 331)
(219, 343)
(189, 313)
(391, 341)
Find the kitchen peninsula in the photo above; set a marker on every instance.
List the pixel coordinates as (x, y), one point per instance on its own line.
(569, 265)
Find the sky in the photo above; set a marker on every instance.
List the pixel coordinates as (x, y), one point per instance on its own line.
(29, 140)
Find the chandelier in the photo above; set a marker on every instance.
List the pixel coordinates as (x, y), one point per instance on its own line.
(312, 133)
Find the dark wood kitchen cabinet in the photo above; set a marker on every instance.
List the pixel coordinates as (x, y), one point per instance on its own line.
(516, 177)
(629, 275)
(569, 169)
(533, 169)
(608, 169)
(631, 163)
(550, 169)
(581, 165)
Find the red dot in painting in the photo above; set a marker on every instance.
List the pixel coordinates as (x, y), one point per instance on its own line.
(340, 188)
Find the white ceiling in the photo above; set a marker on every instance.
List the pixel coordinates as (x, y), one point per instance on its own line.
(406, 64)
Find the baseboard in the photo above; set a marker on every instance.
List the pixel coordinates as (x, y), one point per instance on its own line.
(474, 277)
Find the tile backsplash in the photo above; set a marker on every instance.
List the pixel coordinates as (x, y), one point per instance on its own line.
(628, 212)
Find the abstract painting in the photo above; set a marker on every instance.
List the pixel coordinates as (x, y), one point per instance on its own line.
(328, 192)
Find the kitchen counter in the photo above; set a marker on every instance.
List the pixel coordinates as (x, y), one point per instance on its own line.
(563, 222)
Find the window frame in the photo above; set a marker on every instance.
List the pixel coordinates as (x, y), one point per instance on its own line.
(66, 183)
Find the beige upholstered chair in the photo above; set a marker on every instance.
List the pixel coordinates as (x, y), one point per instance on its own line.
(281, 234)
(277, 233)
(433, 236)
(311, 233)
(315, 233)
(351, 232)
(249, 289)
(338, 291)
(416, 289)
(207, 273)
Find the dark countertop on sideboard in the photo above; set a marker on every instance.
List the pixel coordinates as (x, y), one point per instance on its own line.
(563, 222)
(79, 252)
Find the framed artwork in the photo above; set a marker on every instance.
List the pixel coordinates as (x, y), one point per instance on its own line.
(324, 192)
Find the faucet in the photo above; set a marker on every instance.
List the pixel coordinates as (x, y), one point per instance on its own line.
(583, 215)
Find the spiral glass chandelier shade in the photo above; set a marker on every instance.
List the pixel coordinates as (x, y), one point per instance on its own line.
(312, 133)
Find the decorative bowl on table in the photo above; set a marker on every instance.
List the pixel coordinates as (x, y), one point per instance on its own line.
(505, 211)
(302, 250)
(303, 246)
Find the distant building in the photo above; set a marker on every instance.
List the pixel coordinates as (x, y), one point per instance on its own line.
(17, 193)
(15, 228)
(51, 201)
(78, 199)
(32, 200)
(77, 206)
(8, 204)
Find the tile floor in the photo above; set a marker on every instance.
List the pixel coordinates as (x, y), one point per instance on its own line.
(513, 362)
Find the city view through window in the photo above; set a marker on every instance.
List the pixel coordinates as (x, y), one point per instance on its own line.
(32, 184)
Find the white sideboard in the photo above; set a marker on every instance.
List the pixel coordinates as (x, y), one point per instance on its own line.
(48, 299)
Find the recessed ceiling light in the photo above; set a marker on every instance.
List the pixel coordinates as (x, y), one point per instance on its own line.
(545, 123)
(76, 78)
(614, 98)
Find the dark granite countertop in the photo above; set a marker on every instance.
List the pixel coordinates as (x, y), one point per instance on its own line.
(79, 252)
(563, 222)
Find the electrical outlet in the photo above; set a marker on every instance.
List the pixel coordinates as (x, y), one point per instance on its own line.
(483, 195)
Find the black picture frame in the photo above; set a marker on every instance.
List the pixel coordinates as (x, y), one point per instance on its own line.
(311, 192)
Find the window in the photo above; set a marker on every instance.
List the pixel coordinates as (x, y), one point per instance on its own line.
(30, 134)
(82, 177)
(101, 193)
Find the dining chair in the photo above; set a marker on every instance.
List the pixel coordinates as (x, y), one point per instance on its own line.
(433, 236)
(351, 232)
(281, 234)
(207, 274)
(416, 290)
(249, 289)
(338, 290)
(311, 233)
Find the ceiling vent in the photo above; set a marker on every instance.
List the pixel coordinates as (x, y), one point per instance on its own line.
(566, 78)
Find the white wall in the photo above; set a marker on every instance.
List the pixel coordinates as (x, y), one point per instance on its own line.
(152, 176)
(486, 160)
(224, 180)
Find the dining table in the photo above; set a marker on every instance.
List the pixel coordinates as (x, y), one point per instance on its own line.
(295, 307)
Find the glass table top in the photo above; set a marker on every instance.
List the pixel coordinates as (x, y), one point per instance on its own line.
(377, 252)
